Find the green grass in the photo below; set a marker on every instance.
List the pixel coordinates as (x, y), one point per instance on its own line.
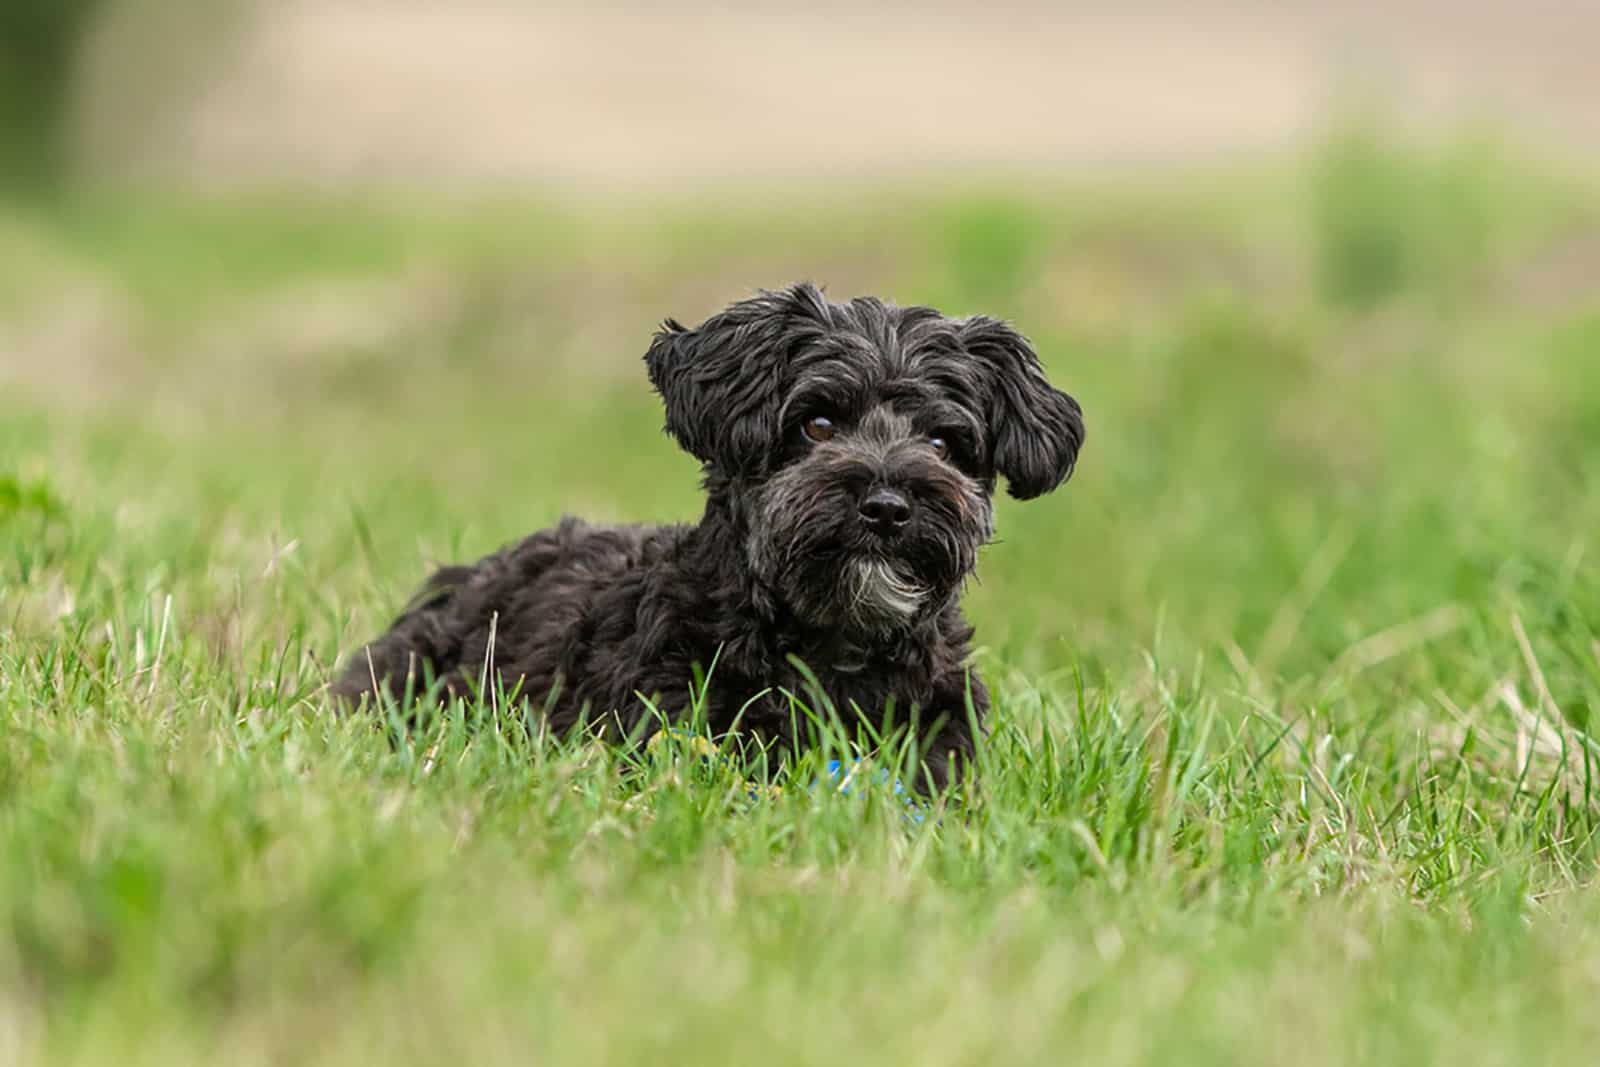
(1294, 681)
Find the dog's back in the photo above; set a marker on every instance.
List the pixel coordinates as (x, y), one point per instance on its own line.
(515, 618)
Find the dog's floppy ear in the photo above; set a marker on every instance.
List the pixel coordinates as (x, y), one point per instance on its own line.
(722, 381)
(1035, 429)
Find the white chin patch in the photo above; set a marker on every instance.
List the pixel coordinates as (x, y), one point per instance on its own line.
(879, 593)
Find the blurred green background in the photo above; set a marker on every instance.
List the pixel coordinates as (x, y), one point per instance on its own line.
(298, 299)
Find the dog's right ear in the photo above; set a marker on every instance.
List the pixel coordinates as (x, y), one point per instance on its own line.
(722, 382)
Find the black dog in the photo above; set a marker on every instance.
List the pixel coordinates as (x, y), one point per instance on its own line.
(850, 454)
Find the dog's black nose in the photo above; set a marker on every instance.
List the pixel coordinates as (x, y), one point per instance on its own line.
(885, 511)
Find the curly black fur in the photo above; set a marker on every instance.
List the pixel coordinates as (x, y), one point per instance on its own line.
(787, 584)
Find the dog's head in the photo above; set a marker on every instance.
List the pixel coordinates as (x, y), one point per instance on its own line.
(858, 444)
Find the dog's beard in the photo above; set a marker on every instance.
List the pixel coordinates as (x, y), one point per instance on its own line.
(882, 595)
(859, 589)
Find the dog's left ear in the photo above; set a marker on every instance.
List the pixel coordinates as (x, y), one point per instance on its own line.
(722, 381)
(1035, 429)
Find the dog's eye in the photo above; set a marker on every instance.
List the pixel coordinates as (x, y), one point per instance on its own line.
(818, 428)
(940, 446)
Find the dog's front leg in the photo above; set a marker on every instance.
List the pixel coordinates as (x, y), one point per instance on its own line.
(961, 704)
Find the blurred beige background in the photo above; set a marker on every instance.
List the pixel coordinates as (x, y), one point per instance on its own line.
(620, 95)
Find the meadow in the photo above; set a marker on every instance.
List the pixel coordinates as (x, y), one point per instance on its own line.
(1291, 757)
